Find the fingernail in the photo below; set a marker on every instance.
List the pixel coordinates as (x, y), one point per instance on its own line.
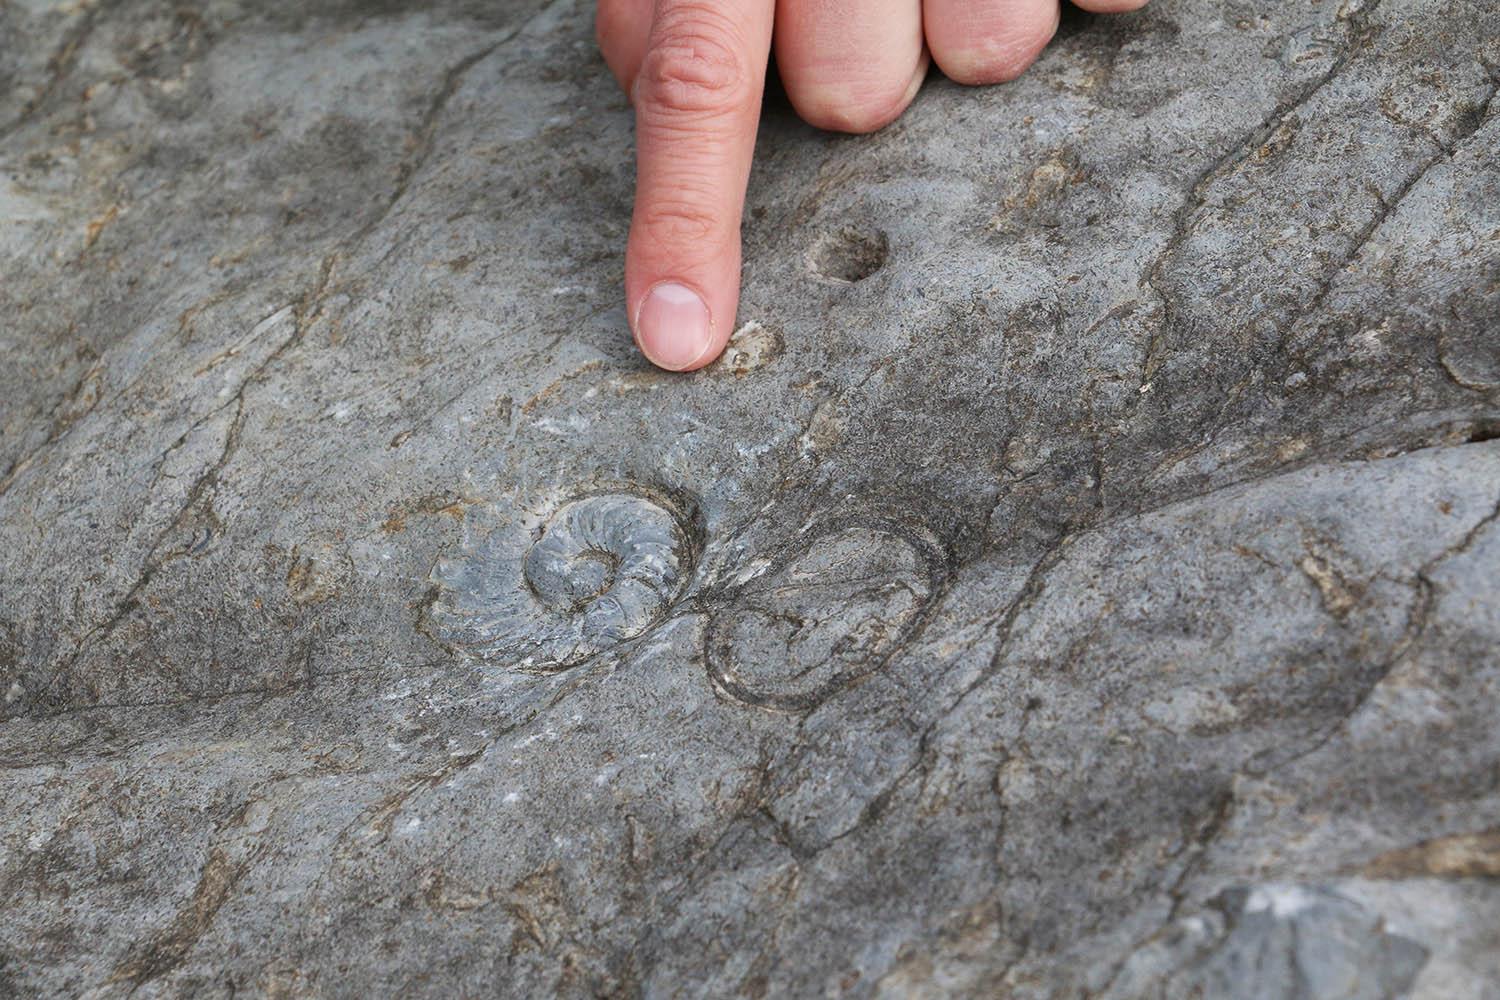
(672, 326)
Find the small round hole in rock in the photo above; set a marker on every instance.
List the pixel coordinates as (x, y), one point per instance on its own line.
(848, 255)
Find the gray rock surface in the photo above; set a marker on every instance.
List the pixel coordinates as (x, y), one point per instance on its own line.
(1275, 941)
(1078, 579)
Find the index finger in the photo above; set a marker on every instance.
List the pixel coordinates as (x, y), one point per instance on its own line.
(697, 102)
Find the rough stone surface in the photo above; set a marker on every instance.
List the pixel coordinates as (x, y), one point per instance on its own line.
(1078, 579)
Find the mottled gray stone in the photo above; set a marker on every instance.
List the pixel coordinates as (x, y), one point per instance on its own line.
(1092, 530)
(1275, 941)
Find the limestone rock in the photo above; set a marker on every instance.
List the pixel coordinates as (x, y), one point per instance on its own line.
(1095, 521)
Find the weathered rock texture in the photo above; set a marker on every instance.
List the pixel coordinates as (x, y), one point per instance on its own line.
(1078, 578)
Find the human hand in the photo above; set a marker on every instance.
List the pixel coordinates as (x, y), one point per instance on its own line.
(695, 70)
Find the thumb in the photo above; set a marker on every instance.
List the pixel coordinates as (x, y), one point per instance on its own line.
(697, 104)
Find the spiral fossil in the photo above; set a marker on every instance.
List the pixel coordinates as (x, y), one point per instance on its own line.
(604, 569)
(823, 616)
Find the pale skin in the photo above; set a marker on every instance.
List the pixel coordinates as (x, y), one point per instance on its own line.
(695, 70)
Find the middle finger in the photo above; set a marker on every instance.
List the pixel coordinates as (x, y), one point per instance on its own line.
(850, 65)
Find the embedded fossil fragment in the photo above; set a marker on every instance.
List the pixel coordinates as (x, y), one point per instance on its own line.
(603, 569)
(827, 616)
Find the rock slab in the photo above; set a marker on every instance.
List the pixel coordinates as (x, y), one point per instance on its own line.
(1077, 579)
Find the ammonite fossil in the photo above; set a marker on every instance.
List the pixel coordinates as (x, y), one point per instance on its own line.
(824, 616)
(602, 569)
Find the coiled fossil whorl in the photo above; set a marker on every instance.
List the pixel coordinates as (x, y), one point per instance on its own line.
(823, 614)
(604, 569)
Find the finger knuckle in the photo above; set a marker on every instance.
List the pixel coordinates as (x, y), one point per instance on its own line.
(679, 222)
(696, 65)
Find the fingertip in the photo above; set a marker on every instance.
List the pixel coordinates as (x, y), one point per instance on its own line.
(1008, 36)
(858, 110)
(674, 328)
